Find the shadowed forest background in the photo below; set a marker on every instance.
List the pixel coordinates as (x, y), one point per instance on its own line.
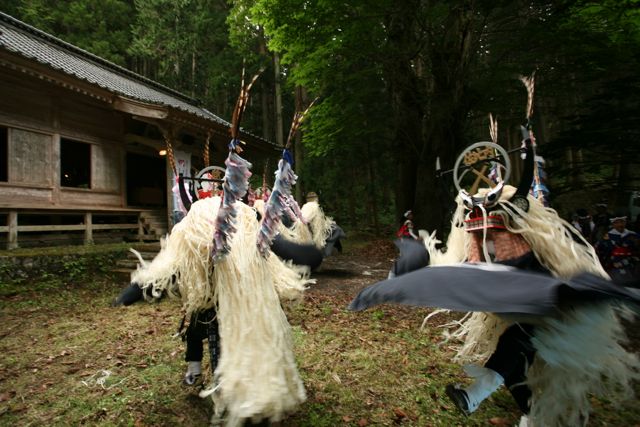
(399, 84)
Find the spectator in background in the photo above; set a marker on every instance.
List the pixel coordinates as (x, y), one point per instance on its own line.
(618, 250)
(251, 196)
(584, 224)
(407, 228)
(574, 222)
(601, 220)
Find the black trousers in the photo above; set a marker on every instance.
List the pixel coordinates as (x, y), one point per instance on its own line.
(511, 359)
(203, 325)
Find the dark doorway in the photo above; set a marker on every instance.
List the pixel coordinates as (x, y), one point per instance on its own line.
(146, 181)
(75, 164)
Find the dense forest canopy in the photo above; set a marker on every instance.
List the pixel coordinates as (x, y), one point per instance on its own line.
(399, 85)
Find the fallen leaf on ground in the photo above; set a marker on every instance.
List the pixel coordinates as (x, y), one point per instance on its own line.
(498, 421)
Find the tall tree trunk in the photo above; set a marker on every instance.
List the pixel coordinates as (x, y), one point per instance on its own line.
(193, 74)
(264, 99)
(372, 193)
(265, 92)
(278, 100)
(449, 59)
(298, 150)
(406, 101)
(352, 200)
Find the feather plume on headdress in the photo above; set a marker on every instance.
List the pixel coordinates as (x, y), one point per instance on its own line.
(495, 175)
(493, 129)
(539, 188)
(529, 84)
(280, 200)
(236, 178)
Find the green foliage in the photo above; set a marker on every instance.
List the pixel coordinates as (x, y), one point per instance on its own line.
(56, 270)
(186, 45)
(413, 80)
(100, 27)
(399, 83)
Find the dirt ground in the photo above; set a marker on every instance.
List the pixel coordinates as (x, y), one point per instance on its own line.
(68, 358)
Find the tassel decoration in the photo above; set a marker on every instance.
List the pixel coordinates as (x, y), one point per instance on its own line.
(280, 200)
(236, 178)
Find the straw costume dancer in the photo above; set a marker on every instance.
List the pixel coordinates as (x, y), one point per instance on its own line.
(212, 260)
(544, 318)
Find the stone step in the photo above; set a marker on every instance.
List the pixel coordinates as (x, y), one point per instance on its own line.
(154, 221)
(149, 238)
(146, 247)
(146, 255)
(130, 264)
(125, 267)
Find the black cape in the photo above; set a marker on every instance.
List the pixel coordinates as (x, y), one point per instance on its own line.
(413, 256)
(298, 253)
(491, 288)
(333, 241)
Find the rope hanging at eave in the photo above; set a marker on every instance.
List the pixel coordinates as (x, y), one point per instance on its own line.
(172, 161)
(205, 152)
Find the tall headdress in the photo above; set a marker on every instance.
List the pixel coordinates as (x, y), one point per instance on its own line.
(538, 187)
(280, 201)
(488, 163)
(236, 178)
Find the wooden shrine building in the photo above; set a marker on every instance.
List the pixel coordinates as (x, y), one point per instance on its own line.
(82, 143)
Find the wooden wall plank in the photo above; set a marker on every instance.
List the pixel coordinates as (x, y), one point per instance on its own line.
(88, 198)
(29, 157)
(106, 163)
(23, 99)
(83, 118)
(17, 195)
(76, 227)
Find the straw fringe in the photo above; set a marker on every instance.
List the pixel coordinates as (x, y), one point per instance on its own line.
(581, 343)
(276, 205)
(319, 223)
(584, 347)
(253, 327)
(256, 376)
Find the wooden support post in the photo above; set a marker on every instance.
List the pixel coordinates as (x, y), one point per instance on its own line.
(140, 227)
(88, 228)
(12, 222)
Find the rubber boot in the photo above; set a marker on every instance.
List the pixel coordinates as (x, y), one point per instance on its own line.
(194, 370)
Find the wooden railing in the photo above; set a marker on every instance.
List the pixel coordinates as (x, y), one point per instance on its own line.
(87, 226)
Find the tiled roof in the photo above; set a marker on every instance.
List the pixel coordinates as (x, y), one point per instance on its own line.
(31, 43)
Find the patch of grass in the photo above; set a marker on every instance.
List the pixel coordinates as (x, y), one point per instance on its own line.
(377, 314)
(60, 337)
(75, 249)
(66, 250)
